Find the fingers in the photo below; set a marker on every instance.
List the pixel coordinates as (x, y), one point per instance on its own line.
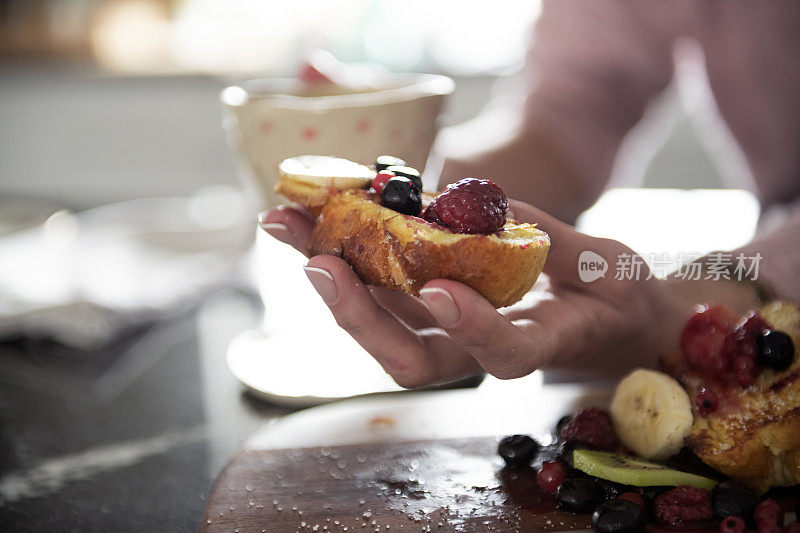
(499, 346)
(412, 360)
(406, 308)
(289, 224)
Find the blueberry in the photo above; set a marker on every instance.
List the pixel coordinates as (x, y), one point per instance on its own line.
(561, 424)
(775, 349)
(385, 161)
(612, 489)
(400, 195)
(619, 516)
(565, 449)
(729, 500)
(651, 493)
(518, 450)
(407, 172)
(579, 495)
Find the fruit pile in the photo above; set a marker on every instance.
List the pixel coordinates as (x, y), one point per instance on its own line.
(727, 350)
(468, 206)
(587, 470)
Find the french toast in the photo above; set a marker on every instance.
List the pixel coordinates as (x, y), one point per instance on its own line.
(402, 251)
(749, 433)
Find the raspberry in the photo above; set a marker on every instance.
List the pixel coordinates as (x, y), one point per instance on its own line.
(794, 527)
(683, 504)
(592, 427)
(469, 206)
(732, 524)
(745, 369)
(380, 180)
(769, 527)
(706, 401)
(703, 339)
(768, 511)
(741, 351)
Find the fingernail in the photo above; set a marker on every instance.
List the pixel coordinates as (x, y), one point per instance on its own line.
(279, 231)
(323, 282)
(441, 305)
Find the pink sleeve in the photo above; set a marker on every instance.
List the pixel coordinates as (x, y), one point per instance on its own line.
(592, 69)
(778, 242)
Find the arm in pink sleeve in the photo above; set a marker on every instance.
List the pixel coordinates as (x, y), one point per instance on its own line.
(592, 68)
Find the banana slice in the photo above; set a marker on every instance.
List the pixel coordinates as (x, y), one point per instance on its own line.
(652, 414)
(326, 171)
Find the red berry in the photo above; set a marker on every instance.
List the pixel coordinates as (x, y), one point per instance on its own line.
(756, 324)
(732, 524)
(703, 339)
(769, 527)
(380, 180)
(550, 476)
(310, 74)
(469, 206)
(745, 369)
(683, 504)
(592, 427)
(794, 527)
(706, 401)
(633, 497)
(768, 511)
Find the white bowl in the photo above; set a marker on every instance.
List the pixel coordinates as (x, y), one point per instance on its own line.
(268, 120)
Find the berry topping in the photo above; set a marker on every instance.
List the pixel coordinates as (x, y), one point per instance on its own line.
(775, 349)
(745, 369)
(768, 511)
(769, 527)
(407, 172)
(634, 498)
(380, 180)
(619, 516)
(579, 495)
(681, 505)
(400, 195)
(592, 427)
(706, 401)
(730, 500)
(732, 524)
(385, 161)
(703, 339)
(469, 206)
(550, 476)
(518, 450)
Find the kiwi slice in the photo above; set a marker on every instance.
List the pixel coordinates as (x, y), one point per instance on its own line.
(632, 471)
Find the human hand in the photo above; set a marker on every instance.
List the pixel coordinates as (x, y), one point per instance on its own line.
(599, 328)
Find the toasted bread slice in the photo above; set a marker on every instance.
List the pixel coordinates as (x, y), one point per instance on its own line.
(754, 437)
(402, 252)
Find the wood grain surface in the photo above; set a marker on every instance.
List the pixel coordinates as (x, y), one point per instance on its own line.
(441, 485)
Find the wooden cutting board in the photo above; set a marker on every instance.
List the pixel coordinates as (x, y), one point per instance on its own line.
(416, 462)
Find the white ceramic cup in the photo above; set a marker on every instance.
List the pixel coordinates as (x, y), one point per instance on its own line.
(269, 120)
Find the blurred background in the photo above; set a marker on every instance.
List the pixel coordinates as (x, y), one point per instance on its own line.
(102, 100)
